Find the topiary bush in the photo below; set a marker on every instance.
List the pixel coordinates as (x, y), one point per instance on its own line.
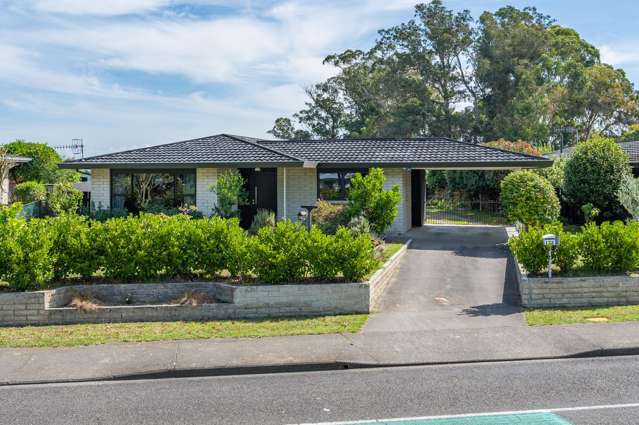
(72, 248)
(368, 198)
(594, 173)
(529, 198)
(30, 191)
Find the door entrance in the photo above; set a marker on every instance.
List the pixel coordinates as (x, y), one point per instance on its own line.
(261, 186)
(418, 194)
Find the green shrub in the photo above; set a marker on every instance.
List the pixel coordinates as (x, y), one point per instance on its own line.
(30, 191)
(263, 218)
(222, 245)
(64, 198)
(72, 247)
(9, 212)
(279, 253)
(529, 198)
(611, 247)
(230, 192)
(530, 251)
(594, 173)
(628, 195)
(359, 226)
(354, 255)
(320, 255)
(328, 217)
(367, 197)
(25, 260)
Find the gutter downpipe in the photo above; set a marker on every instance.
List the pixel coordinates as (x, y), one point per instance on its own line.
(284, 191)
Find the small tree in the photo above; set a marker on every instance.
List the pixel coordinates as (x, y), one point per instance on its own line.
(529, 198)
(628, 195)
(368, 198)
(230, 193)
(64, 198)
(593, 174)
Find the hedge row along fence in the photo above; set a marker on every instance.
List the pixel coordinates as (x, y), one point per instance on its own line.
(608, 248)
(35, 253)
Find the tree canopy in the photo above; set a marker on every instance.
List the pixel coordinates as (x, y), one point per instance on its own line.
(513, 74)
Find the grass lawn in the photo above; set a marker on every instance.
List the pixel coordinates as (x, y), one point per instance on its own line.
(561, 316)
(390, 249)
(74, 335)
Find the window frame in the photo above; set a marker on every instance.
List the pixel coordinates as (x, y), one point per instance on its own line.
(362, 171)
(174, 172)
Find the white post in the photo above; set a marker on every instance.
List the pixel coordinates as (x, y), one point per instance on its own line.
(284, 192)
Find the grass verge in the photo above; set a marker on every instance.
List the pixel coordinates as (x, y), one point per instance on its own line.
(390, 249)
(563, 316)
(91, 334)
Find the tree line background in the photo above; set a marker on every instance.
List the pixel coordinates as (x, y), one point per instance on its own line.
(514, 74)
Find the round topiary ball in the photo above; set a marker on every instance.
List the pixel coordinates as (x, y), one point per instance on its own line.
(594, 173)
(529, 198)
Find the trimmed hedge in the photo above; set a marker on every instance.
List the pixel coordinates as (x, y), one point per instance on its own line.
(529, 198)
(608, 248)
(36, 252)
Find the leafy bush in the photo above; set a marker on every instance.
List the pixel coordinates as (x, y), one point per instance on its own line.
(368, 198)
(43, 166)
(11, 211)
(263, 218)
(594, 174)
(531, 252)
(64, 198)
(34, 252)
(555, 174)
(31, 191)
(359, 226)
(628, 195)
(72, 248)
(529, 198)
(230, 193)
(328, 217)
(25, 253)
(279, 253)
(611, 247)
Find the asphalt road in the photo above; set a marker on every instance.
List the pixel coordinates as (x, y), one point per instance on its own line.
(335, 396)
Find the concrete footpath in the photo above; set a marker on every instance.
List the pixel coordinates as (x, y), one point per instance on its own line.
(255, 355)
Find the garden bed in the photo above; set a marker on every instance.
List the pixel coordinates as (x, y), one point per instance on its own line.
(139, 302)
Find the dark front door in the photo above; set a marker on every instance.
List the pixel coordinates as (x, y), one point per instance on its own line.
(418, 193)
(261, 186)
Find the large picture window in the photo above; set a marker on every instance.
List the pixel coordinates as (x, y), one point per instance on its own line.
(139, 190)
(334, 184)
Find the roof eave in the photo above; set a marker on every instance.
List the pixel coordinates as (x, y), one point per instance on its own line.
(459, 165)
(155, 165)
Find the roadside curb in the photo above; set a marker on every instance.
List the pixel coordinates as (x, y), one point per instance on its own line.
(316, 367)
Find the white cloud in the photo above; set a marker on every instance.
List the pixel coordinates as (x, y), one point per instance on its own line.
(97, 7)
(621, 54)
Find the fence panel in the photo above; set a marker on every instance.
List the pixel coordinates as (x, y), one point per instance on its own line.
(458, 211)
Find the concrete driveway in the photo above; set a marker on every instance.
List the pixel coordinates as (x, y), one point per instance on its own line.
(452, 277)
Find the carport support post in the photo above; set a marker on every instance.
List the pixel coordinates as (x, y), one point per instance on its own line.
(284, 192)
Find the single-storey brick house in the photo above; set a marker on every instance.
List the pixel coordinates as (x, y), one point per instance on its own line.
(284, 175)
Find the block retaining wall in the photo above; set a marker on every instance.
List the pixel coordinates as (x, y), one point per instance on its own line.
(149, 301)
(587, 291)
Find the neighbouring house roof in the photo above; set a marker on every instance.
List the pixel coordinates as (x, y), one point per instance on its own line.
(18, 159)
(237, 151)
(631, 148)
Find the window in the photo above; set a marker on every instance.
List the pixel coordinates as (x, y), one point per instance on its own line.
(136, 190)
(333, 184)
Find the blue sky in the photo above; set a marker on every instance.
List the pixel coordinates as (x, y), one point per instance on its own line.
(123, 74)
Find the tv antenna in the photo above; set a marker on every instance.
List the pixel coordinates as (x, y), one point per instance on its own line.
(76, 147)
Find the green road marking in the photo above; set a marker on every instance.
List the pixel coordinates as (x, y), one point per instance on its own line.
(510, 419)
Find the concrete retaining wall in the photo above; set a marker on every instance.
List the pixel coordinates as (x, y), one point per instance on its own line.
(586, 291)
(149, 301)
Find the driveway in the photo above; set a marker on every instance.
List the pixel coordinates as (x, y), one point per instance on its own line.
(452, 277)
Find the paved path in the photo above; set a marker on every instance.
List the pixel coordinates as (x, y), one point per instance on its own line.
(452, 277)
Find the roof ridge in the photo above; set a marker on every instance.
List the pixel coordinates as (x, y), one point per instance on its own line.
(259, 145)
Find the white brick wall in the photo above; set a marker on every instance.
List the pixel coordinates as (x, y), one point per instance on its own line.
(205, 199)
(4, 190)
(101, 187)
(301, 189)
(401, 177)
